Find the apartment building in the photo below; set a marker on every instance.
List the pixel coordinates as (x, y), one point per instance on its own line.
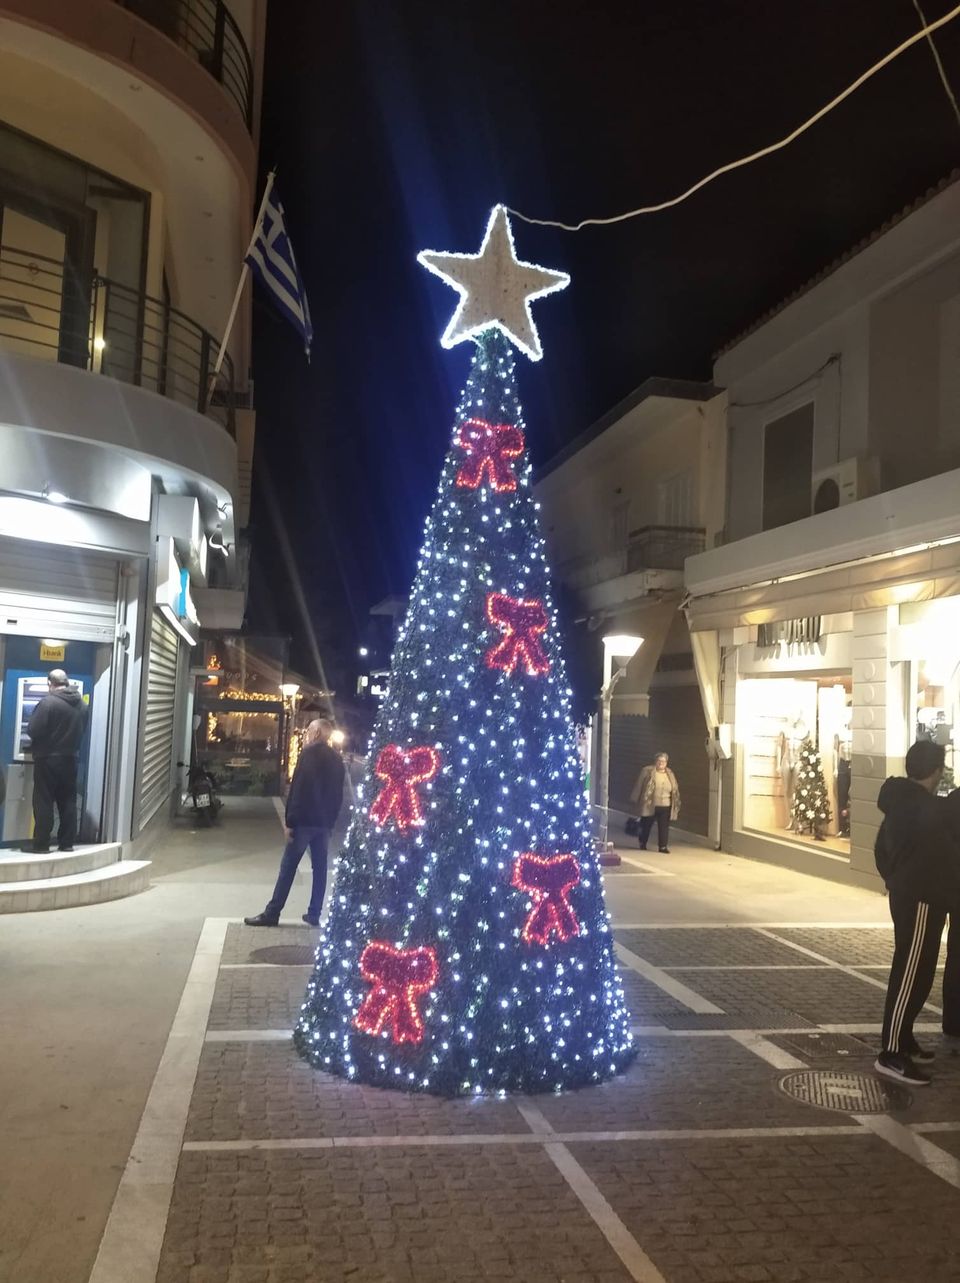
(128, 162)
(830, 608)
(623, 506)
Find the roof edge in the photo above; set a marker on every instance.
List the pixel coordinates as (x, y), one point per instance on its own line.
(676, 389)
(835, 264)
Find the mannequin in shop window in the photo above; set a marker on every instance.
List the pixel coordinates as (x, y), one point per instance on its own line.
(842, 757)
(789, 759)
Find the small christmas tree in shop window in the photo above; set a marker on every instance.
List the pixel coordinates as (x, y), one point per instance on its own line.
(811, 806)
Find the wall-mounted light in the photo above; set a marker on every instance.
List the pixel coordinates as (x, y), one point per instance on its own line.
(99, 344)
(215, 541)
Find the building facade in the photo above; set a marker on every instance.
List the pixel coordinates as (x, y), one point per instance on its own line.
(623, 507)
(127, 183)
(829, 611)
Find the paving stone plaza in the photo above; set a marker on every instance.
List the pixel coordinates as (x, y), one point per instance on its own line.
(159, 1128)
(697, 1166)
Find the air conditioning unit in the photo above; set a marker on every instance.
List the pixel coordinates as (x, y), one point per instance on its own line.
(843, 482)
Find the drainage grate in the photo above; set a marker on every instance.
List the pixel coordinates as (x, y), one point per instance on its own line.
(285, 955)
(824, 1046)
(848, 1093)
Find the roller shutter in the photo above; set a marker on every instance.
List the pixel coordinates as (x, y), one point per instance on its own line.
(51, 591)
(159, 714)
(675, 726)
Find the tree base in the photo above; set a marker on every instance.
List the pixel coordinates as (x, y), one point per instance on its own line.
(506, 1080)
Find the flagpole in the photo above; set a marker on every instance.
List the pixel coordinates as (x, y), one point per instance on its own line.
(244, 273)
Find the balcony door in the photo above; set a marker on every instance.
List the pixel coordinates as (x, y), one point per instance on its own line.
(46, 278)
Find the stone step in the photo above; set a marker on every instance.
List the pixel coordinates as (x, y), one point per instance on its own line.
(23, 866)
(111, 882)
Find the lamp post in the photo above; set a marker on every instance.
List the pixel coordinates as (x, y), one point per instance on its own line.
(620, 647)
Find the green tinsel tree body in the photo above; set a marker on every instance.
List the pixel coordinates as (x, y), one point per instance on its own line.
(811, 805)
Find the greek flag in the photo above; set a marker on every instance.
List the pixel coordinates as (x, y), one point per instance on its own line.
(271, 259)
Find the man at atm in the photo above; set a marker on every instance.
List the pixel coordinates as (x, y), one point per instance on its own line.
(56, 729)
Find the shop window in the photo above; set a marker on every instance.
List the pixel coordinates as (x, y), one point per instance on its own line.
(935, 709)
(240, 736)
(787, 467)
(775, 717)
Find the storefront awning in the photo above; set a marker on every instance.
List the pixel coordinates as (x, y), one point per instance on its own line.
(923, 575)
(706, 661)
(651, 622)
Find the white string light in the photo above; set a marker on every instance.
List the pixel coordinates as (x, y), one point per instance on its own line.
(508, 993)
(923, 34)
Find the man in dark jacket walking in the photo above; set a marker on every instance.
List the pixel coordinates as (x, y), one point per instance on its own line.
(920, 864)
(56, 729)
(313, 803)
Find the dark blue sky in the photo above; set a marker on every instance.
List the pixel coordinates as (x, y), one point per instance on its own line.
(396, 125)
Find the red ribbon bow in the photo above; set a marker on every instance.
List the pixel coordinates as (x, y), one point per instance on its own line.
(398, 977)
(548, 879)
(522, 623)
(490, 448)
(403, 769)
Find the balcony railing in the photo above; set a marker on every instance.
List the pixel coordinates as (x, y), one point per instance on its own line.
(663, 547)
(208, 32)
(51, 311)
(649, 548)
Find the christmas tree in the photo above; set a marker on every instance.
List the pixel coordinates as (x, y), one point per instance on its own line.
(811, 807)
(468, 947)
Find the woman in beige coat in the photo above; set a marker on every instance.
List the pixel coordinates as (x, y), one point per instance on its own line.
(658, 794)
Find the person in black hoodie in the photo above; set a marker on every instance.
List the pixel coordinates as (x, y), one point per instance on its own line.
(951, 972)
(56, 729)
(313, 803)
(920, 864)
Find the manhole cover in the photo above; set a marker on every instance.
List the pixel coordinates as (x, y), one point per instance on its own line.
(848, 1093)
(285, 955)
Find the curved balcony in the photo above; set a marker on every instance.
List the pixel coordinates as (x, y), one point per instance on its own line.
(50, 310)
(207, 31)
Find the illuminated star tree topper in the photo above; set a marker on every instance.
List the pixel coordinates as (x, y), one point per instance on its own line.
(495, 288)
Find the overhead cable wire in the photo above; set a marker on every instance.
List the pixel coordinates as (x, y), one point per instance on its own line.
(923, 34)
(833, 359)
(940, 67)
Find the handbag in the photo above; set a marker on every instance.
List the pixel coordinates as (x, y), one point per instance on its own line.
(632, 826)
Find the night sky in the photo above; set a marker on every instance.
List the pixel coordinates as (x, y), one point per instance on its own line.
(396, 125)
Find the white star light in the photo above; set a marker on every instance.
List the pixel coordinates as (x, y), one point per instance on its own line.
(495, 288)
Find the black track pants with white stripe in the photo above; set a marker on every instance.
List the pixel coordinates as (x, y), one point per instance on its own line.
(917, 928)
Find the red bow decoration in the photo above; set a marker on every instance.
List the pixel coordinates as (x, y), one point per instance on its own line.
(522, 623)
(403, 769)
(398, 977)
(490, 448)
(548, 879)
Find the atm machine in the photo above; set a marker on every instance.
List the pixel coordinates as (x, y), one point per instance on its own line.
(24, 684)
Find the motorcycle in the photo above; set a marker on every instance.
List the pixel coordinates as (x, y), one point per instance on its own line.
(201, 787)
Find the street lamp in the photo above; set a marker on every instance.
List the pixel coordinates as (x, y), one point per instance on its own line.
(620, 647)
(290, 690)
